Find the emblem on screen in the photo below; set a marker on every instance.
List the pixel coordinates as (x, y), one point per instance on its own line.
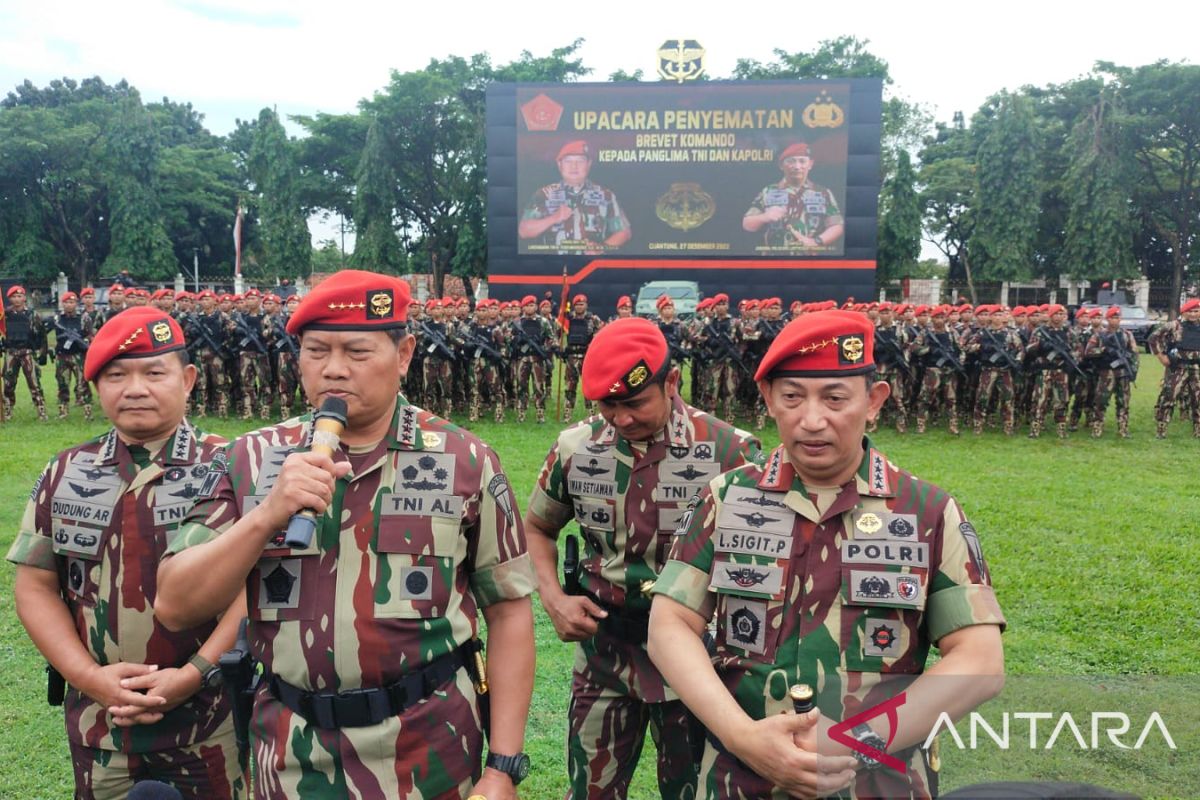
(685, 206)
(680, 60)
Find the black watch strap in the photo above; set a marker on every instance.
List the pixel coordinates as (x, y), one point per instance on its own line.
(515, 767)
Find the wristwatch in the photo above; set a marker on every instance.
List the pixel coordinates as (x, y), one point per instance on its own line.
(210, 674)
(515, 767)
(864, 734)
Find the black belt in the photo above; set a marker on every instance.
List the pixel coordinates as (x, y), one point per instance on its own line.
(359, 708)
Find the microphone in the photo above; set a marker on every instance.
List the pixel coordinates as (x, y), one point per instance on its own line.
(328, 425)
(154, 790)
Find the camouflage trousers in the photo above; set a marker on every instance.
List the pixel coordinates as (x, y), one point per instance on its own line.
(1111, 383)
(607, 726)
(531, 379)
(998, 382)
(211, 387)
(1183, 379)
(485, 382)
(67, 369)
(206, 770)
(254, 369)
(572, 370)
(433, 751)
(938, 384)
(897, 402)
(20, 360)
(438, 387)
(720, 386)
(1083, 397)
(287, 381)
(1050, 390)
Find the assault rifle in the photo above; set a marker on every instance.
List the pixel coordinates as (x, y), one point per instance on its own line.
(1060, 350)
(522, 340)
(1000, 353)
(249, 337)
(74, 342)
(437, 342)
(945, 357)
(1120, 356)
(283, 339)
(724, 346)
(205, 337)
(892, 347)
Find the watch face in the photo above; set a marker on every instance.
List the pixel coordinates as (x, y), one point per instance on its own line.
(522, 767)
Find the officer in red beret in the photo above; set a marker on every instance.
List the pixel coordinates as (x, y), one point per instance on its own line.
(367, 635)
(817, 566)
(625, 477)
(72, 334)
(142, 702)
(24, 339)
(1177, 346)
(795, 214)
(206, 330)
(574, 215)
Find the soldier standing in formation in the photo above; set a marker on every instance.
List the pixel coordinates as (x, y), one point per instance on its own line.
(1177, 347)
(1051, 355)
(285, 350)
(25, 343)
(368, 634)
(797, 562)
(999, 352)
(582, 327)
(483, 345)
(941, 355)
(435, 333)
(625, 477)
(244, 335)
(72, 335)
(141, 701)
(208, 331)
(891, 360)
(532, 343)
(719, 338)
(1114, 351)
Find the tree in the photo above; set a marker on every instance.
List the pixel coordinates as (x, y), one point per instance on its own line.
(377, 247)
(900, 223)
(1008, 193)
(285, 245)
(1098, 241)
(948, 196)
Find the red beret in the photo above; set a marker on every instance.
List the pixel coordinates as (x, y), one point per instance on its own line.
(579, 298)
(14, 289)
(624, 301)
(939, 311)
(576, 148)
(449, 302)
(206, 293)
(462, 301)
(720, 297)
(252, 293)
(885, 306)
(271, 297)
(1189, 305)
(1054, 309)
(87, 291)
(69, 296)
(664, 300)
(226, 298)
(545, 304)
(184, 295)
(751, 304)
(116, 287)
(528, 299)
(624, 358)
(353, 300)
(772, 301)
(705, 303)
(821, 345)
(921, 310)
(797, 149)
(134, 333)
(796, 304)
(1115, 311)
(901, 308)
(431, 304)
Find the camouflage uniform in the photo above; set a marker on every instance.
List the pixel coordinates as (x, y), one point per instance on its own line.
(1113, 378)
(101, 515)
(423, 532)
(285, 348)
(811, 210)
(995, 377)
(484, 366)
(580, 331)
(26, 333)
(627, 498)
(1083, 392)
(798, 599)
(245, 332)
(721, 375)
(68, 361)
(1051, 386)
(597, 216)
(211, 387)
(531, 367)
(438, 365)
(939, 381)
(1180, 341)
(891, 351)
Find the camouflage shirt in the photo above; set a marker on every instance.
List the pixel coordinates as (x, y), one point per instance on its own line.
(845, 593)
(421, 533)
(102, 522)
(597, 216)
(811, 210)
(628, 498)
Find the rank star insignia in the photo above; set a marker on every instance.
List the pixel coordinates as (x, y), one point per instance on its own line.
(279, 584)
(869, 523)
(746, 577)
(883, 637)
(133, 336)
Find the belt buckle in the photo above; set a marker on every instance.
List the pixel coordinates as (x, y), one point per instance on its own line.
(353, 708)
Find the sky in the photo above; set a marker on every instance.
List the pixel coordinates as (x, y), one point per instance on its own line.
(230, 59)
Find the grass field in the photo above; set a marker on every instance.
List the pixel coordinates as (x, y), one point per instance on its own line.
(1091, 545)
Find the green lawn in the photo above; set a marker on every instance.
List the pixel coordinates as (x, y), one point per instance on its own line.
(1091, 546)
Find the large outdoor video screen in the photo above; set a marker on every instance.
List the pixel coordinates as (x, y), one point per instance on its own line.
(733, 169)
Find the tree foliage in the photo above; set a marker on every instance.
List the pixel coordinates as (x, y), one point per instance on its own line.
(899, 223)
(284, 245)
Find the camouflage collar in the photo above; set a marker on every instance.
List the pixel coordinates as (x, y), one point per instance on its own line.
(677, 432)
(405, 431)
(180, 447)
(875, 475)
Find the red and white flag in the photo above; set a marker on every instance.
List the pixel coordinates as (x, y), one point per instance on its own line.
(237, 243)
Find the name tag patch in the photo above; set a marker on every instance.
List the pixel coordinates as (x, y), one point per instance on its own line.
(754, 578)
(767, 545)
(915, 554)
(421, 505)
(886, 588)
(746, 624)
